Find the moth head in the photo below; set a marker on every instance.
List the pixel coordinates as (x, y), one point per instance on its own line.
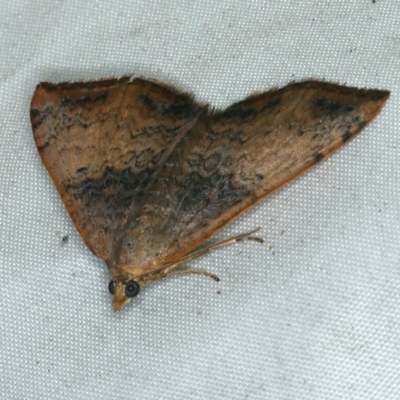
(123, 291)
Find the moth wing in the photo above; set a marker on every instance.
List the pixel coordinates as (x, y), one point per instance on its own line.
(102, 143)
(232, 159)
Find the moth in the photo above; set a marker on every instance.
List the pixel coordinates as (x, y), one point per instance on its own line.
(148, 174)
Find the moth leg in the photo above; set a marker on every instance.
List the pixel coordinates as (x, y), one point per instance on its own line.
(191, 271)
(181, 272)
(234, 239)
(204, 250)
(170, 269)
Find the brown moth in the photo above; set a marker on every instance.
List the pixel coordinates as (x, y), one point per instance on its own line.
(147, 174)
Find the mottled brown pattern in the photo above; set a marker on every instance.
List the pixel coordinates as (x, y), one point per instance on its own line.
(103, 143)
(148, 175)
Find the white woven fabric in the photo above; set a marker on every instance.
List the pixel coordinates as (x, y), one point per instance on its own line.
(311, 314)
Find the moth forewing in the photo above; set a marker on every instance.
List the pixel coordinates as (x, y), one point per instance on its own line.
(148, 175)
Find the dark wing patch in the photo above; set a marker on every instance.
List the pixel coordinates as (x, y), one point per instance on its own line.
(102, 143)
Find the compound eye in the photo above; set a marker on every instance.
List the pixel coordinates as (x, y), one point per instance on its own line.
(111, 287)
(132, 289)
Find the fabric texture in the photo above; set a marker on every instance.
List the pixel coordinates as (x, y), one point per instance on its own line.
(310, 314)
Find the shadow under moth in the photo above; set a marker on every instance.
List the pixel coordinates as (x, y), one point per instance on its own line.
(148, 174)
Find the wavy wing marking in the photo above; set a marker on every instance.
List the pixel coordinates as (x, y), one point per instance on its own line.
(232, 159)
(102, 143)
